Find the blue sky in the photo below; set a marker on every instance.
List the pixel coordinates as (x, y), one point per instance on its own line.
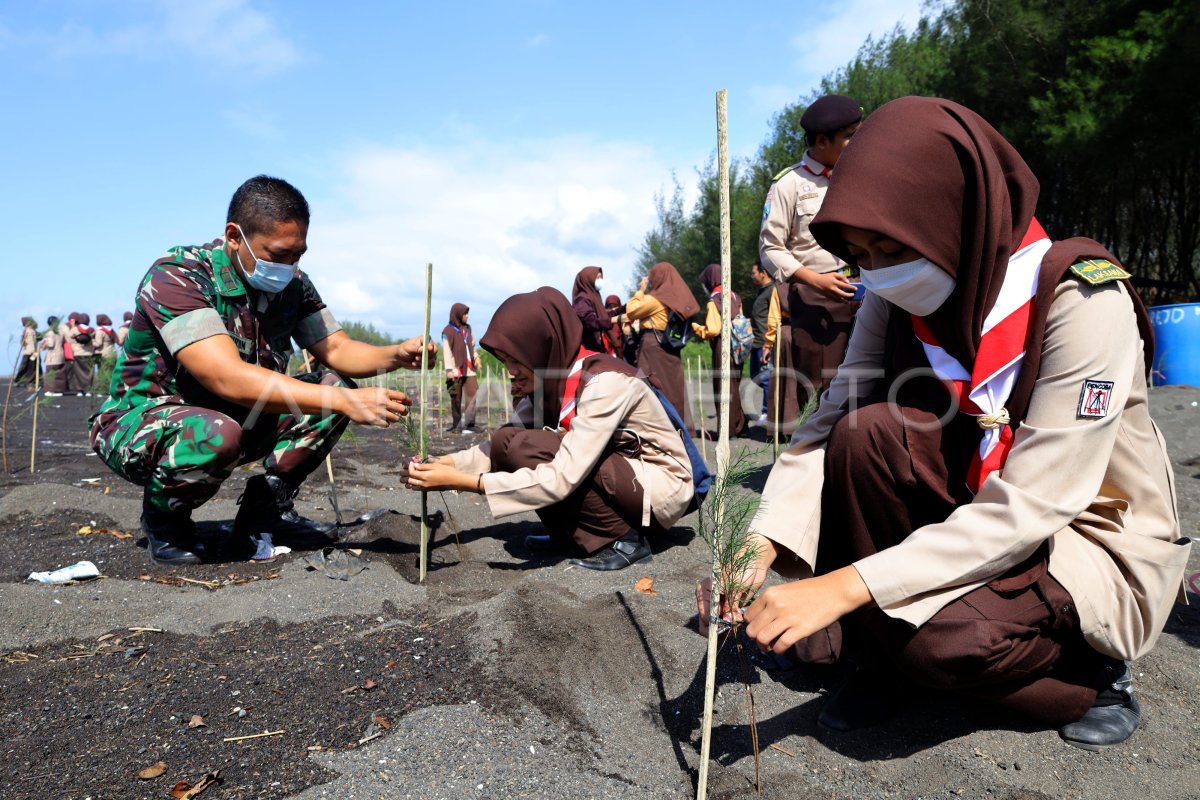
(509, 143)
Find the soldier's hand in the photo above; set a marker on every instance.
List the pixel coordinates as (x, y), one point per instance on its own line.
(832, 286)
(374, 406)
(408, 353)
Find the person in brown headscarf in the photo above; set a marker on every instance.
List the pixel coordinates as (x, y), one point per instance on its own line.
(590, 447)
(461, 362)
(982, 495)
(624, 333)
(592, 313)
(55, 384)
(710, 331)
(29, 364)
(105, 343)
(123, 331)
(662, 292)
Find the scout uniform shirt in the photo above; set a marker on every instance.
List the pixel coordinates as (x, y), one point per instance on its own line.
(608, 401)
(192, 293)
(647, 309)
(1098, 486)
(785, 243)
(28, 341)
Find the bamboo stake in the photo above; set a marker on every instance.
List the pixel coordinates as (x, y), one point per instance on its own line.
(253, 736)
(328, 456)
(710, 677)
(425, 418)
(4, 423)
(37, 391)
(776, 379)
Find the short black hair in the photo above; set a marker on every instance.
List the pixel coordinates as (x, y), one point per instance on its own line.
(263, 202)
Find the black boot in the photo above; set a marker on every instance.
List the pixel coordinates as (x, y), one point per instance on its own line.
(170, 535)
(1114, 716)
(631, 548)
(266, 507)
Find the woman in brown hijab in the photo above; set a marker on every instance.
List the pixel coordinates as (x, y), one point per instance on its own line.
(590, 447)
(592, 313)
(458, 353)
(662, 292)
(710, 331)
(984, 500)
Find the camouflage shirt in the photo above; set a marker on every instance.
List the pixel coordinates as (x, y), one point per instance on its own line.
(192, 293)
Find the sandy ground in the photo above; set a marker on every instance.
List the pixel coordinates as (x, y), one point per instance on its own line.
(541, 681)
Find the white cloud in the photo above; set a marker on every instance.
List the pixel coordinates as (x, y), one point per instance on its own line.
(228, 33)
(494, 219)
(833, 42)
(537, 40)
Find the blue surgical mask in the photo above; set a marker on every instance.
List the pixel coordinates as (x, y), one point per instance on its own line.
(919, 287)
(267, 276)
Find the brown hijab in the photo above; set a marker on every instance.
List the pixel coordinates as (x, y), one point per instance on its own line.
(666, 285)
(540, 330)
(710, 279)
(585, 286)
(938, 178)
(458, 335)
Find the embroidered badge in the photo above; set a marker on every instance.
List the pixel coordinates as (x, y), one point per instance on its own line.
(767, 208)
(809, 196)
(808, 187)
(1097, 271)
(1093, 400)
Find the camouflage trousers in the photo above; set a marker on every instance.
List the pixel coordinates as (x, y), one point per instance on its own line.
(183, 453)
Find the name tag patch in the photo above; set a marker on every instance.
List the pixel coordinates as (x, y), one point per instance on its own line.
(1094, 399)
(1097, 271)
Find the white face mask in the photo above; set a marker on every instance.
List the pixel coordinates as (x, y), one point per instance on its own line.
(919, 287)
(599, 283)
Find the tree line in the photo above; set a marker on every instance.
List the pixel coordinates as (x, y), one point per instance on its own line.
(1101, 97)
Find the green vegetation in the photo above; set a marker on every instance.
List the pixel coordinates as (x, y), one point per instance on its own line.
(1099, 96)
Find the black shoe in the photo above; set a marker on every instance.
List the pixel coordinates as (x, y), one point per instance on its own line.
(451, 429)
(170, 536)
(266, 507)
(541, 544)
(629, 549)
(867, 698)
(1114, 717)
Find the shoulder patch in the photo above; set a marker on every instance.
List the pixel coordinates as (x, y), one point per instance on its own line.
(783, 172)
(1093, 398)
(809, 196)
(1097, 271)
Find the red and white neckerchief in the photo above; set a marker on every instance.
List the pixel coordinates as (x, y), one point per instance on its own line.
(571, 389)
(824, 173)
(983, 390)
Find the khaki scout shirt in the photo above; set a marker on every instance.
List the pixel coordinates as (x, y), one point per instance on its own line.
(52, 343)
(608, 401)
(1101, 490)
(450, 364)
(785, 243)
(29, 341)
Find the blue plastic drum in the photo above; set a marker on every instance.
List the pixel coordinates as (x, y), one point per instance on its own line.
(1176, 345)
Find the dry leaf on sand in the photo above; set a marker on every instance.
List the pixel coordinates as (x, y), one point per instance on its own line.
(152, 771)
(185, 791)
(197, 721)
(645, 586)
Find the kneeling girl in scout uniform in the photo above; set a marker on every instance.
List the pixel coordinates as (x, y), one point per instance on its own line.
(982, 495)
(590, 447)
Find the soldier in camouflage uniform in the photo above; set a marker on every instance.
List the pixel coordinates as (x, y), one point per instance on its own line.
(201, 384)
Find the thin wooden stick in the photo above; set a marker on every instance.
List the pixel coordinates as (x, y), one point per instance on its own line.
(777, 379)
(4, 423)
(253, 736)
(37, 391)
(710, 677)
(425, 418)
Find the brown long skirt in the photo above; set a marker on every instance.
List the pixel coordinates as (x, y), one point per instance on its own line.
(654, 360)
(605, 507)
(820, 333)
(462, 393)
(1015, 640)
